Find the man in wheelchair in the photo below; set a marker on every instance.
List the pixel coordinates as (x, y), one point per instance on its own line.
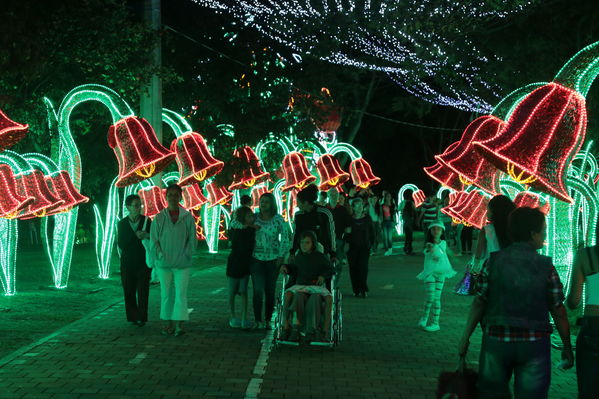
(307, 292)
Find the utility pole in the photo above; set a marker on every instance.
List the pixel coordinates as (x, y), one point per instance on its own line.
(151, 99)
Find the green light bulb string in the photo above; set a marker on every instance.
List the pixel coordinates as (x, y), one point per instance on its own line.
(506, 106)
(581, 70)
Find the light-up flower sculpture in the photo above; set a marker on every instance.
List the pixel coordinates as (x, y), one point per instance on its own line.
(330, 172)
(251, 172)
(297, 175)
(11, 132)
(194, 159)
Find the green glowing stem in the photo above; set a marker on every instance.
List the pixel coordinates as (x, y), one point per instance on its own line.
(346, 149)
(400, 199)
(176, 122)
(506, 106)
(41, 162)
(16, 162)
(8, 255)
(581, 70)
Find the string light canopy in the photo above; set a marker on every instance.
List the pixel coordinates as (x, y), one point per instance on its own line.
(399, 38)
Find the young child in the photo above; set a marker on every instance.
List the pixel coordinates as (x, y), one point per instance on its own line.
(436, 269)
(243, 236)
(311, 269)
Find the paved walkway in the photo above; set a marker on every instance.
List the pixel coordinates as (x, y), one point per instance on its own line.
(383, 354)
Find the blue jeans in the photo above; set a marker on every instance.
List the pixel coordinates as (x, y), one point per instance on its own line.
(264, 283)
(530, 362)
(388, 227)
(587, 358)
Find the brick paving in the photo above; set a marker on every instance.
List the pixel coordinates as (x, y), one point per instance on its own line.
(383, 354)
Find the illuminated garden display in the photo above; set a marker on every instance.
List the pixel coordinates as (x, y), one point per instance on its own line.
(529, 148)
(36, 186)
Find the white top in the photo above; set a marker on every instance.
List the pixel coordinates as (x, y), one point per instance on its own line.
(592, 289)
(492, 246)
(272, 238)
(174, 242)
(436, 262)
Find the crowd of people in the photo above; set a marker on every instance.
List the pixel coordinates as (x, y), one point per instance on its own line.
(517, 289)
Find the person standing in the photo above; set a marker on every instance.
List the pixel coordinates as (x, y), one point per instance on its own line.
(173, 234)
(408, 219)
(272, 244)
(387, 215)
(135, 274)
(586, 272)
(342, 220)
(493, 236)
(359, 236)
(518, 288)
(429, 212)
(373, 212)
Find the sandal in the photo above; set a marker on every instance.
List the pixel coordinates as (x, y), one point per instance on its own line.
(167, 331)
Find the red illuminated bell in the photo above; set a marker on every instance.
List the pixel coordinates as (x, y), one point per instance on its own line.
(331, 174)
(137, 150)
(419, 197)
(473, 209)
(296, 172)
(153, 200)
(531, 200)
(218, 195)
(455, 201)
(469, 164)
(11, 202)
(10, 132)
(62, 187)
(252, 172)
(32, 184)
(194, 159)
(193, 198)
(361, 173)
(542, 136)
(445, 176)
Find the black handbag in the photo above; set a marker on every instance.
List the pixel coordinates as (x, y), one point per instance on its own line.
(459, 384)
(468, 284)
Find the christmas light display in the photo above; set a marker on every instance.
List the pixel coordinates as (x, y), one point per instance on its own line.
(11, 132)
(401, 201)
(8, 255)
(361, 173)
(381, 36)
(445, 176)
(194, 159)
(106, 231)
(472, 210)
(455, 202)
(11, 202)
(217, 195)
(531, 200)
(137, 150)
(419, 197)
(558, 110)
(257, 192)
(330, 172)
(193, 198)
(153, 200)
(251, 171)
(297, 175)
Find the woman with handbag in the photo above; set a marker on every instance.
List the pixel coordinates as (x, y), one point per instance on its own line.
(586, 272)
(135, 274)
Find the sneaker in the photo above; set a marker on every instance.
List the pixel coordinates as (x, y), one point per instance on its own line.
(422, 322)
(388, 252)
(432, 328)
(234, 322)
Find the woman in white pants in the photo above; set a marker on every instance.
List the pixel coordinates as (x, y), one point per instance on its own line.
(173, 234)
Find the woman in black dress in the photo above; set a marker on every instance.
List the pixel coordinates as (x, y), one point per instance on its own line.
(360, 236)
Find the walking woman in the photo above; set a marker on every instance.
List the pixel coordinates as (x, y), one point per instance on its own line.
(586, 272)
(408, 218)
(173, 234)
(493, 236)
(272, 244)
(387, 215)
(360, 236)
(135, 274)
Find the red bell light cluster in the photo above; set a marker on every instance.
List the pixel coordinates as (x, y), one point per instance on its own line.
(445, 176)
(194, 159)
(33, 184)
(62, 187)
(137, 149)
(217, 195)
(542, 136)
(532, 200)
(472, 209)
(193, 198)
(153, 200)
(297, 175)
(11, 132)
(361, 173)
(468, 164)
(250, 175)
(455, 200)
(419, 197)
(11, 202)
(330, 172)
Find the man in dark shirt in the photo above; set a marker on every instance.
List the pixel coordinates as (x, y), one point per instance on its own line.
(342, 220)
(316, 218)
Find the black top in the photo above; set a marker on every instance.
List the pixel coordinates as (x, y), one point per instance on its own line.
(307, 267)
(342, 220)
(133, 253)
(362, 233)
(242, 247)
(320, 221)
(409, 210)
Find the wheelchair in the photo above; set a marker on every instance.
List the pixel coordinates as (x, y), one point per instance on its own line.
(336, 329)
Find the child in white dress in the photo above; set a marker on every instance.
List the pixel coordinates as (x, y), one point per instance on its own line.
(436, 269)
